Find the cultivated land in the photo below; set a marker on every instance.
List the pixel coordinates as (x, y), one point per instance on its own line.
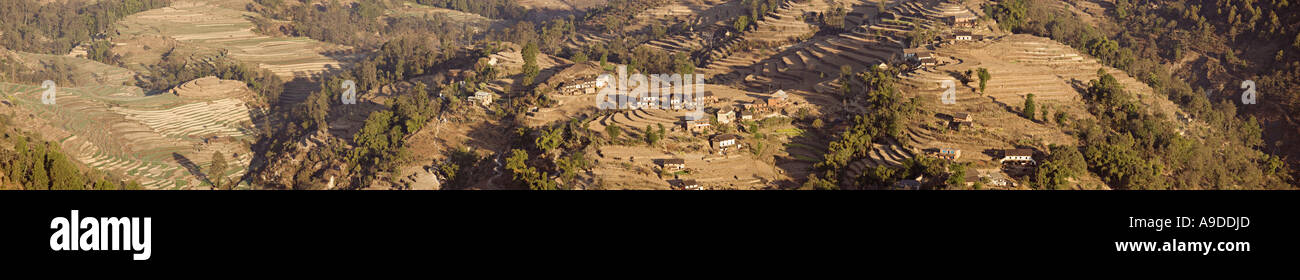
(202, 26)
(160, 140)
(165, 138)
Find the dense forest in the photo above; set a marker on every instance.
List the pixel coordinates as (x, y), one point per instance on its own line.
(360, 24)
(55, 27)
(494, 9)
(32, 164)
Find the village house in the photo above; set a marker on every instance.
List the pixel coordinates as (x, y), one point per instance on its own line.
(1018, 156)
(777, 100)
(725, 115)
(928, 62)
(746, 115)
(583, 87)
(481, 98)
(725, 142)
(915, 53)
(673, 164)
(965, 20)
(909, 184)
(690, 185)
(962, 120)
(694, 124)
(946, 153)
(966, 36)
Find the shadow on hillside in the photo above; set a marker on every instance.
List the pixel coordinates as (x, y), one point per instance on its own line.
(190, 166)
(797, 164)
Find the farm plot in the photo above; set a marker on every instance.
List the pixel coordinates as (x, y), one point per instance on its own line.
(164, 141)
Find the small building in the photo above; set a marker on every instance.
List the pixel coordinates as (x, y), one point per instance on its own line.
(929, 61)
(967, 36)
(746, 115)
(965, 20)
(947, 153)
(482, 98)
(962, 120)
(694, 124)
(673, 164)
(777, 99)
(725, 115)
(725, 142)
(1018, 156)
(908, 184)
(583, 87)
(916, 54)
(690, 185)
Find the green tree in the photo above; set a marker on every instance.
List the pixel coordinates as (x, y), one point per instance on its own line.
(64, 175)
(40, 179)
(530, 63)
(102, 51)
(956, 176)
(613, 132)
(1030, 107)
(682, 64)
(604, 60)
(984, 78)
(740, 23)
(651, 137)
(217, 170)
(579, 57)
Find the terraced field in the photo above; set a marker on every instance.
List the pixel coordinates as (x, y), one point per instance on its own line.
(155, 139)
(84, 71)
(205, 25)
(806, 64)
(625, 167)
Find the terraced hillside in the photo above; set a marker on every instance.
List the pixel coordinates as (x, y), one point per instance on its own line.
(80, 71)
(165, 141)
(1019, 65)
(203, 25)
(809, 63)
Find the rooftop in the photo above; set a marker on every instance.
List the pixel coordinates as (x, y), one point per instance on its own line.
(1019, 152)
(724, 137)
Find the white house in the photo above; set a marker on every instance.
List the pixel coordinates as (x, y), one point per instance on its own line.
(1018, 156)
(482, 98)
(725, 142)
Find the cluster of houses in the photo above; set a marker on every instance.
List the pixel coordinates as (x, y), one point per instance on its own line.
(590, 85)
(729, 114)
(1013, 161)
(922, 57)
(678, 164)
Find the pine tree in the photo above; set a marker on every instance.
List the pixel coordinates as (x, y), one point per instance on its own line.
(984, 78)
(217, 170)
(530, 63)
(40, 179)
(1030, 107)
